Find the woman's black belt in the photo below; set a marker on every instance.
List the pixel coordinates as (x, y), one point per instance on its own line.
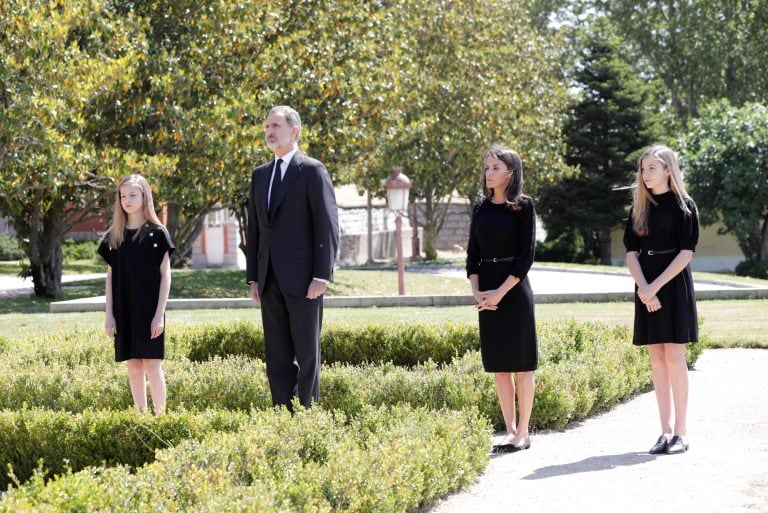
(495, 259)
(652, 252)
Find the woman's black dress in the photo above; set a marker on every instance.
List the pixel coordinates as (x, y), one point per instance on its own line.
(507, 335)
(135, 290)
(669, 227)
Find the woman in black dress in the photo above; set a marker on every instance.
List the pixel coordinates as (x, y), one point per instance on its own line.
(660, 238)
(137, 249)
(500, 252)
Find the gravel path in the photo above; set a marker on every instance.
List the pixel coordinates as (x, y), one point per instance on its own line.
(602, 464)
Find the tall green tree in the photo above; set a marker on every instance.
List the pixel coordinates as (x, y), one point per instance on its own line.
(465, 74)
(725, 156)
(184, 102)
(701, 49)
(210, 72)
(57, 60)
(324, 59)
(603, 133)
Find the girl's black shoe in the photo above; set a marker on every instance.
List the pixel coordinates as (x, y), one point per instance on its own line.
(676, 445)
(660, 447)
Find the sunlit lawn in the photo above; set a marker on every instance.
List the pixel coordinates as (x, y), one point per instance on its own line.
(224, 283)
(725, 322)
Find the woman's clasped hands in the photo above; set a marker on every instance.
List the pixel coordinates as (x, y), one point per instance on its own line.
(647, 295)
(488, 299)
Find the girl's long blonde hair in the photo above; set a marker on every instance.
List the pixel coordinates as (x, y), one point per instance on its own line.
(114, 234)
(642, 197)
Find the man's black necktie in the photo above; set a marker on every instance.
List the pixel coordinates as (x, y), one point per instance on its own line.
(277, 179)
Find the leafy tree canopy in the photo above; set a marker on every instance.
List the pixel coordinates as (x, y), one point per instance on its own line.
(726, 162)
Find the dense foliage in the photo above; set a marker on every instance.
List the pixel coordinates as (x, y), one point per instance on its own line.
(603, 134)
(178, 90)
(726, 160)
(65, 409)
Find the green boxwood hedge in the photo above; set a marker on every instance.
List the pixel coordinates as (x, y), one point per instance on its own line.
(403, 344)
(91, 438)
(385, 460)
(584, 367)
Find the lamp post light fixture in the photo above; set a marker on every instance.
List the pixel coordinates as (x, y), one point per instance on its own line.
(397, 186)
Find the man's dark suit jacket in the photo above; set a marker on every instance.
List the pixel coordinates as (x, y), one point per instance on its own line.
(302, 235)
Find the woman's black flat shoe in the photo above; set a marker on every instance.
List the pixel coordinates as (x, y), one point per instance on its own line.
(502, 449)
(676, 445)
(660, 447)
(521, 445)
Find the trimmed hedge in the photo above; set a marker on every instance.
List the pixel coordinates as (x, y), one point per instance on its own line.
(9, 248)
(385, 460)
(753, 268)
(235, 383)
(584, 368)
(79, 250)
(405, 344)
(64, 440)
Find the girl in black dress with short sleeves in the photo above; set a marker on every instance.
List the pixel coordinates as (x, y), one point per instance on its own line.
(137, 249)
(499, 254)
(661, 235)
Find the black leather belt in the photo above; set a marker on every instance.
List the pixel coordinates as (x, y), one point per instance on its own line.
(494, 260)
(652, 252)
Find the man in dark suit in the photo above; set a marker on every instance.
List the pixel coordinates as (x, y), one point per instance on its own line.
(293, 233)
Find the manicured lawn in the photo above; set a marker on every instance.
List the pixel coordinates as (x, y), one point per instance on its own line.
(223, 283)
(698, 275)
(726, 323)
(70, 267)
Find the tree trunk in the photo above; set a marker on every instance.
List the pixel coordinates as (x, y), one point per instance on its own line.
(764, 241)
(240, 212)
(604, 239)
(434, 211)
(44, 232)
(430, 228)
(46, 273)
(184, 231)
(746, 249)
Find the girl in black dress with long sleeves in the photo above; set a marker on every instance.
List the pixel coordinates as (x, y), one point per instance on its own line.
(500, 252)
(137, 249)
(661, 235)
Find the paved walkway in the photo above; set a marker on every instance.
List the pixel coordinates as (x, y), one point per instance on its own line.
(15, 286)
(545, 280)
(602, 464)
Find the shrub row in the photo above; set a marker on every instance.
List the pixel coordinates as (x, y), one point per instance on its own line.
(235, 383)
(79, 250)
(9, 248)
(583, 368)
(385, 460)
(402, 344)
(406, 344)
(65, 440)
(753, 268)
